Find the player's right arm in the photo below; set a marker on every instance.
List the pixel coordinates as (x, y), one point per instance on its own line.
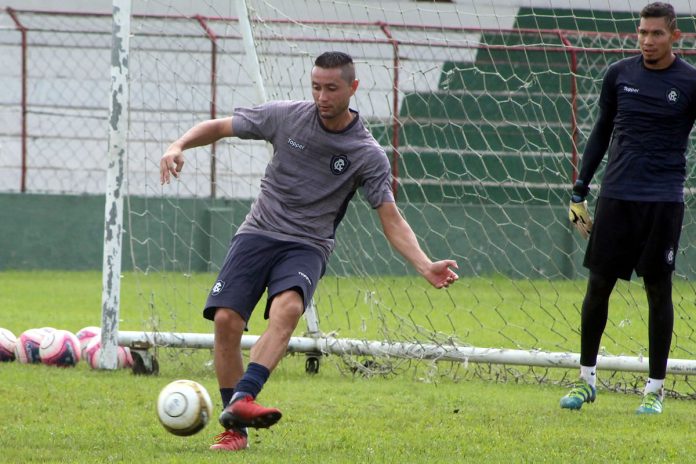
(596, 147)
(597, 144)
(203, 133)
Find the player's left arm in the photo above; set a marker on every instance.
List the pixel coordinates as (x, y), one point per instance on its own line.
(402, 238)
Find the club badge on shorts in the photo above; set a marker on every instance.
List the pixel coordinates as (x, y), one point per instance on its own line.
(339, 164)
(669, 256)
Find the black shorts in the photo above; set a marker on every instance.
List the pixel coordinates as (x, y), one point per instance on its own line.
(255, 263)
(630, 235)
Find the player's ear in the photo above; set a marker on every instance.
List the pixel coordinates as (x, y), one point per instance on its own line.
(354, 85)
(676, 34)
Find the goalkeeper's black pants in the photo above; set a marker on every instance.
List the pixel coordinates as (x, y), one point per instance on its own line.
(595, 311)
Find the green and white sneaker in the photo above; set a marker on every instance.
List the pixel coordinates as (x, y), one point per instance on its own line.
(582, 392)
(651, 404)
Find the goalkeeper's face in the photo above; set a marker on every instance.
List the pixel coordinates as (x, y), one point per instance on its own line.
(655, 38)
(332, 94)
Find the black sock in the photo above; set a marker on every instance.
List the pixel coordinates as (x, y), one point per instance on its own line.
(226, 395)
(253, 380)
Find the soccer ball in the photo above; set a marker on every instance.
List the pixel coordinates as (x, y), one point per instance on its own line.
(60, 348)
(184, 407)
(85, 335)
(8, 342)
(92, 352)
(27, 348)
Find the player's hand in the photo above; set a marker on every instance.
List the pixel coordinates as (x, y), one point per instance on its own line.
(579, 215)
(440, 274)
(171, 164)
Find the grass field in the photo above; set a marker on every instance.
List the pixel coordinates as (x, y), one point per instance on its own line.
(78, 415)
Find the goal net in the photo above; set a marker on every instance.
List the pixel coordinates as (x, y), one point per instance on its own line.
(483, 109)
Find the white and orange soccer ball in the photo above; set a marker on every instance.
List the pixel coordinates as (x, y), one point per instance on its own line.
(27, 348)
(184, 407)
(60, 348)
(8, 342)
(92, 352)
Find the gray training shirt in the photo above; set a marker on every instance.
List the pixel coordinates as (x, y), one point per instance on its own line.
(313, 174)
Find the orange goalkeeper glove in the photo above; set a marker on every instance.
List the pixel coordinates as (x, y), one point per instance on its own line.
(578, 213)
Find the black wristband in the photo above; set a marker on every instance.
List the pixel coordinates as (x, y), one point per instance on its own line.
(580, 190)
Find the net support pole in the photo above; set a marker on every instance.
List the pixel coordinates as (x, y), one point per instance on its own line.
(449, 353)
(115, 183)
(250, 49)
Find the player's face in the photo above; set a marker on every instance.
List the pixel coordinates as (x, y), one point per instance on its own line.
(332, 94)
(655, 40)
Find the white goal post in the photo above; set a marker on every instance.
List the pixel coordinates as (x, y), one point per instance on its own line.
(115, 184)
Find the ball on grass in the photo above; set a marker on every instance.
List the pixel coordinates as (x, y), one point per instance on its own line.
(60, 348)
(27, 348)
(85, 335)
(184, 407)
(93, 350)
(8, 342)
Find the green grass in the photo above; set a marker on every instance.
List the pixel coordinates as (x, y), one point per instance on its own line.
(79, 415)
(82, 416)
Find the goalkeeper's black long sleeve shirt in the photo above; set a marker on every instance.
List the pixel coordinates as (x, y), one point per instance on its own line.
(645, 117)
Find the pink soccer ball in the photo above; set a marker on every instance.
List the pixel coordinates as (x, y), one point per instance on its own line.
(85, 336)
(60, 348)
(93, 352)
(27, 348)
(8, 342)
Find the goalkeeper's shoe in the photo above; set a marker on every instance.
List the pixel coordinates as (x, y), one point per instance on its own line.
(651, 404)
(579, 215)
(245, 412)
(231, 440)
(582, 392)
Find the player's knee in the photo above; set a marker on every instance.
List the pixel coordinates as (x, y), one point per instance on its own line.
(287, 306)
(599, 285)
(228, 321)
(659, 289)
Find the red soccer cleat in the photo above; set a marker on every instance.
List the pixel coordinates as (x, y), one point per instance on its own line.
(230, 440)
(245, 412)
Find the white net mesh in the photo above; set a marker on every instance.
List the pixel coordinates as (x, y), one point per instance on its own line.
(482, 108)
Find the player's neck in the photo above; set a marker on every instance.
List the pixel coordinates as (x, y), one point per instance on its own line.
(662, 63)
(340, 122)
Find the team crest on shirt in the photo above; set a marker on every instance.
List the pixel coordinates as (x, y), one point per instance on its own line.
(672, 95)
(339, 164)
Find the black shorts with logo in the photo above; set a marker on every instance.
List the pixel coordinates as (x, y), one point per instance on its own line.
(634, 235)
(255, 263)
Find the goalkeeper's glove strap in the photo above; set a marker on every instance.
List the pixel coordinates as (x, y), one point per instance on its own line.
(580, 191)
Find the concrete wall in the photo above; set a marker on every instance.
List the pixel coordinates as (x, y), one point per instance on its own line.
(187, 235)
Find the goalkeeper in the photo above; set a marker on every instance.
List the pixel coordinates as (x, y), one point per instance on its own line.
(647, 109)
(322, 153)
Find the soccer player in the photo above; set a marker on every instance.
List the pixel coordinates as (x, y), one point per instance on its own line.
(647, 109)
(322, 153)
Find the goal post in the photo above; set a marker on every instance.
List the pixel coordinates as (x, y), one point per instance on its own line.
(115, 184)
(483, 123)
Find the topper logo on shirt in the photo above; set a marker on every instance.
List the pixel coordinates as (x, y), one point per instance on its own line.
(295, 145)
(628, 89)
(339, 164)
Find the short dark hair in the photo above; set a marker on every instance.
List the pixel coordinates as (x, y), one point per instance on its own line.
(330, 60)
(660, 10)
